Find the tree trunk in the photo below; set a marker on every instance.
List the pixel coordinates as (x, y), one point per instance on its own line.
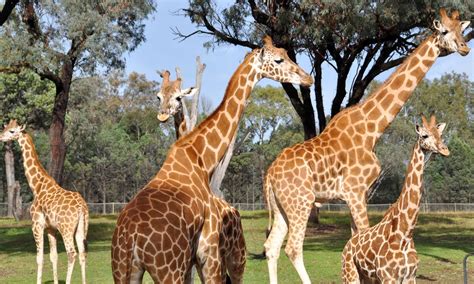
(10, 175)
(17, 203)
(56, 131)
(318, 91)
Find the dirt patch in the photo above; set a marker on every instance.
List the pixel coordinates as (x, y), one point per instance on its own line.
(320, 229)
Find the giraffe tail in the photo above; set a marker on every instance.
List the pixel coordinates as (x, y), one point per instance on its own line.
(86, 228)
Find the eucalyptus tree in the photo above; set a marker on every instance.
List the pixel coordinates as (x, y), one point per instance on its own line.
(61, 39)
(358, 39)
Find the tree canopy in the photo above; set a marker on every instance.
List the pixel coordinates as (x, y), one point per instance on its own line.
(358, 39)
(58, 40)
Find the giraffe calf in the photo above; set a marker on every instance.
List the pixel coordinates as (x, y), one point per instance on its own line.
(386, 252)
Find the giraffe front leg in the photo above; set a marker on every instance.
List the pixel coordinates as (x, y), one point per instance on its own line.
(358, 208)
(53, 253)
(211, 263)
(38, 234)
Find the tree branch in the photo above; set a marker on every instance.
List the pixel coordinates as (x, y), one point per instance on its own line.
(7, 10)
(217, 33)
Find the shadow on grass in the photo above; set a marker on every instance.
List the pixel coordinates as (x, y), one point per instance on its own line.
(59, 282)
(422, 277)
(256, 215)
(17, 240)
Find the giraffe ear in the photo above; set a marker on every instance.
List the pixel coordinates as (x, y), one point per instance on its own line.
(189, 92)
(23, 127)
(464, 25)
(261, 54)
(441, 127)
(438, 26)
(418, 129)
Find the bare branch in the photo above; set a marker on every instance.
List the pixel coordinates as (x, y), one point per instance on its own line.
(200, 67)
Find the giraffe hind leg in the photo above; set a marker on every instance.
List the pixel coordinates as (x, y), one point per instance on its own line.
(82, 247)
(68, 238)
(273, 244)
(294, 246)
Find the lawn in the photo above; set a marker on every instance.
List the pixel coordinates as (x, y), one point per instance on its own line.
(442, 240)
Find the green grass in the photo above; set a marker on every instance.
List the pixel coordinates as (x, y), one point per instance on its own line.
(442, 240)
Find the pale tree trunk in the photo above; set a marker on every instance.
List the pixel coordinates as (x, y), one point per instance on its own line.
(10, 175)
(17, 203)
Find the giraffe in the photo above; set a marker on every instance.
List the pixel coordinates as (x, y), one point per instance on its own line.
(341, 163)
(386, 252)
(231, 237)
(53, 208)
(170, 95)
(174, 221)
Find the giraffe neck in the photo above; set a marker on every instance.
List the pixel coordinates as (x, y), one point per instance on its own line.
(208, 142)
(385, 103)
(34, 171)
(408, 204)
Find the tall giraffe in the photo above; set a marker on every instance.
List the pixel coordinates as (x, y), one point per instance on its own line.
(174, 221)
(53, 208)
(231, 237)
(340, 163)
(386, 252)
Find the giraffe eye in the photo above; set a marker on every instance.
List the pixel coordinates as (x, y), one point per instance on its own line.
(424, 136)
(11, 131)
(278, 61)
(445, 32)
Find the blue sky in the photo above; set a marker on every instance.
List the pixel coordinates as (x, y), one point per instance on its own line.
(162, 51)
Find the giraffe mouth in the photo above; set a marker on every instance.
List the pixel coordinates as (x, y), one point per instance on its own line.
(464, 50)
(163, 117)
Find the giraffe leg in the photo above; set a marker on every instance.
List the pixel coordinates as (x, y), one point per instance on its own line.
(80, 241)
(38, 233)
(53, 253)
(273, 244)
(68, 239)
(136, 276)
(358, 208)
(294, 246)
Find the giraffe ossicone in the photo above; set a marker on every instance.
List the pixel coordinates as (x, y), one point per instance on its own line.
(386, 251)
(340, 163)
(175, 221)
(53, 208)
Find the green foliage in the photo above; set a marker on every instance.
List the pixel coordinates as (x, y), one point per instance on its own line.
(449, 179)
(91, 33)
(27, 98)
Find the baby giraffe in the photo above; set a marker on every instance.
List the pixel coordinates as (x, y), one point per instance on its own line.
(385, 253)
(53, 208)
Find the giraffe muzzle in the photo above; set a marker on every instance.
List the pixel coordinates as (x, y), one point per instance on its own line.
(163, 117)
(464, 50)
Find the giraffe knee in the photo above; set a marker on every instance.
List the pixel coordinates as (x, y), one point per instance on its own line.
(292, 253)
(71, 256)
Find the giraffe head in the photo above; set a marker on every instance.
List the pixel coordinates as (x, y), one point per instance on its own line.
(170, 95)
(11, 131)
(450, 32)
(430, 136)
(275, 64)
